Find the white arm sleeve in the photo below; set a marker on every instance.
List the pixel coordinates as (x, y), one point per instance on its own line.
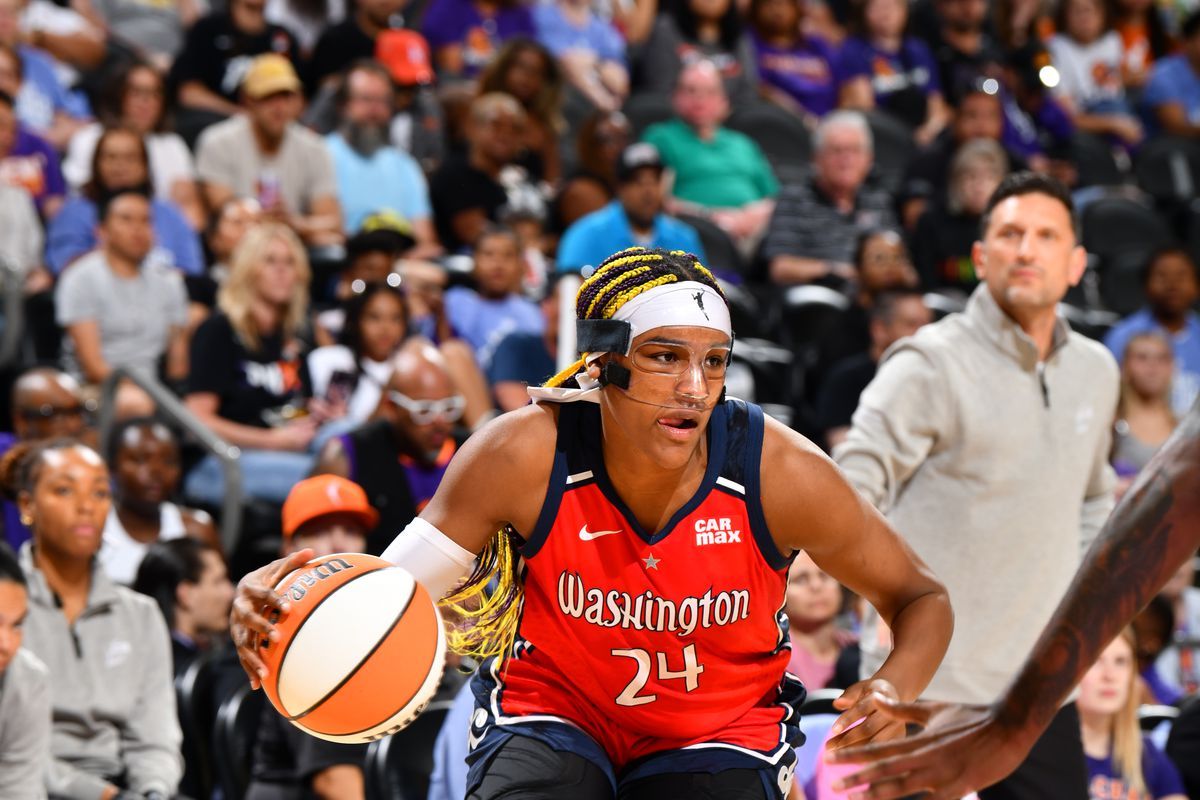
(432, 557)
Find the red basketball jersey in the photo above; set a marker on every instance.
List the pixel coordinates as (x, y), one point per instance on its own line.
(674, 634)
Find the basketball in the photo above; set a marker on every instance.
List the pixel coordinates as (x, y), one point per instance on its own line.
(361, 650)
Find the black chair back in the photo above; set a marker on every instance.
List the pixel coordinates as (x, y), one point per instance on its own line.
(398, 766)
(233, 740)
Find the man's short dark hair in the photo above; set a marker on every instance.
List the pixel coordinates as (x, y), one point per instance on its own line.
(887, 301)
(105, 201)
(165, 566)
(10, 568)
(1027, 182)
(493, 231)
(1162, 252)
(865, 237)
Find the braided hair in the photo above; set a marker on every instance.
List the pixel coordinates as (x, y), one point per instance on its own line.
(483, 618)
(622, 277)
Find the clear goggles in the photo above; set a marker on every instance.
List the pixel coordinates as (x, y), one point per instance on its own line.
(679, 361)
(423, 412)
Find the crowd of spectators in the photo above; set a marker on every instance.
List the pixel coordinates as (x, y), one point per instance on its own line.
(336, 229)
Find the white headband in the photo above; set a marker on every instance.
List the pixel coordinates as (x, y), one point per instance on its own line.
(688, 303)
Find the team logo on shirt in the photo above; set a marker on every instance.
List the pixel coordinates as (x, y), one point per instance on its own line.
(716, 531)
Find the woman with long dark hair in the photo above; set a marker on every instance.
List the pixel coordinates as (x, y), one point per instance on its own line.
(355, 371)
(137, 101)
(528, 72)
(599, 143)
(121, 160)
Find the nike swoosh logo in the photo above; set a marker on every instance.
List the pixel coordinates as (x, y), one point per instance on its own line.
(587, 535)
(473, 740)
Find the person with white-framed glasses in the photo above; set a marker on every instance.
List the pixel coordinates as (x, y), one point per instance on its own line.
(401, 453)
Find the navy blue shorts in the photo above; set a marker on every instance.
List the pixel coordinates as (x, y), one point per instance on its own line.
(767, 773)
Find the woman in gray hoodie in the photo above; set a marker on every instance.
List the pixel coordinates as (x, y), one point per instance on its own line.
(107, 649)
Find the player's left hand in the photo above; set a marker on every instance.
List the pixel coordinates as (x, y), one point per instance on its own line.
(861, 721)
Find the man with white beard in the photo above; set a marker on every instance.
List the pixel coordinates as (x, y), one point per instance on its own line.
(372, 175)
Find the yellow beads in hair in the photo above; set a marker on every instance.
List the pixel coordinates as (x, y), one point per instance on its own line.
(629, 294)
(608, 287)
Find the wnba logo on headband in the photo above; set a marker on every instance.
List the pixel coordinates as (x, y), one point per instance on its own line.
(685, 303)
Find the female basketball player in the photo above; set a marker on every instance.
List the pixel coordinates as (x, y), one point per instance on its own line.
(635, 644)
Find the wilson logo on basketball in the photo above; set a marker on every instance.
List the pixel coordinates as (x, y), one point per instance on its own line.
(307, 580)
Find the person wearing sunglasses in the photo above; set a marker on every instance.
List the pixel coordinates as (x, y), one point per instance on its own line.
(400, 455)
(46, 404)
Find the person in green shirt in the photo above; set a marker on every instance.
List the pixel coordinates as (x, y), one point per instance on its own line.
(716, 173)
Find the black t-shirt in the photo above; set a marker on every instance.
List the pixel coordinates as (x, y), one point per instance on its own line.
(285, 756)
(840, 392)
(957, 70)
(217, 54)
(376, 466)
(456, 187)
(941, 249)
(339, 47)
(250, 384)
(1183, 746)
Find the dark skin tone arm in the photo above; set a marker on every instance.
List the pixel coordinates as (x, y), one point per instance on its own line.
(1154, 529)
(498, 477)
(843, 534)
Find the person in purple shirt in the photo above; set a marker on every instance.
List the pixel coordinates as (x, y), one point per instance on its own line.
(465, 34)
(800, 72)
(28, 161)
(483, 316)
(901, 68)
(120, 162)
(1121, 763)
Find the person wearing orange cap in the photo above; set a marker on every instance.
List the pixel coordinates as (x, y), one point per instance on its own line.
(328, 514)
(265, 154)
(353, 38)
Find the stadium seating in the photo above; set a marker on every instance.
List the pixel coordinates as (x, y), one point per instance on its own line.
(398, 766)
(233, 740)
(1120, 231)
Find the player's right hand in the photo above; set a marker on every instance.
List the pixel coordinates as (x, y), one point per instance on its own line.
(962, 749)
(255, 598)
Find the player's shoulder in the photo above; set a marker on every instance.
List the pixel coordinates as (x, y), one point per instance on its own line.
(522, 438)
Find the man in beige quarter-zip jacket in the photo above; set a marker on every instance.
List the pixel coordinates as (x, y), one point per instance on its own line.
(985, 440)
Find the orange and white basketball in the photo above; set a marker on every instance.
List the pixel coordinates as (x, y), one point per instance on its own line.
(361, 650)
